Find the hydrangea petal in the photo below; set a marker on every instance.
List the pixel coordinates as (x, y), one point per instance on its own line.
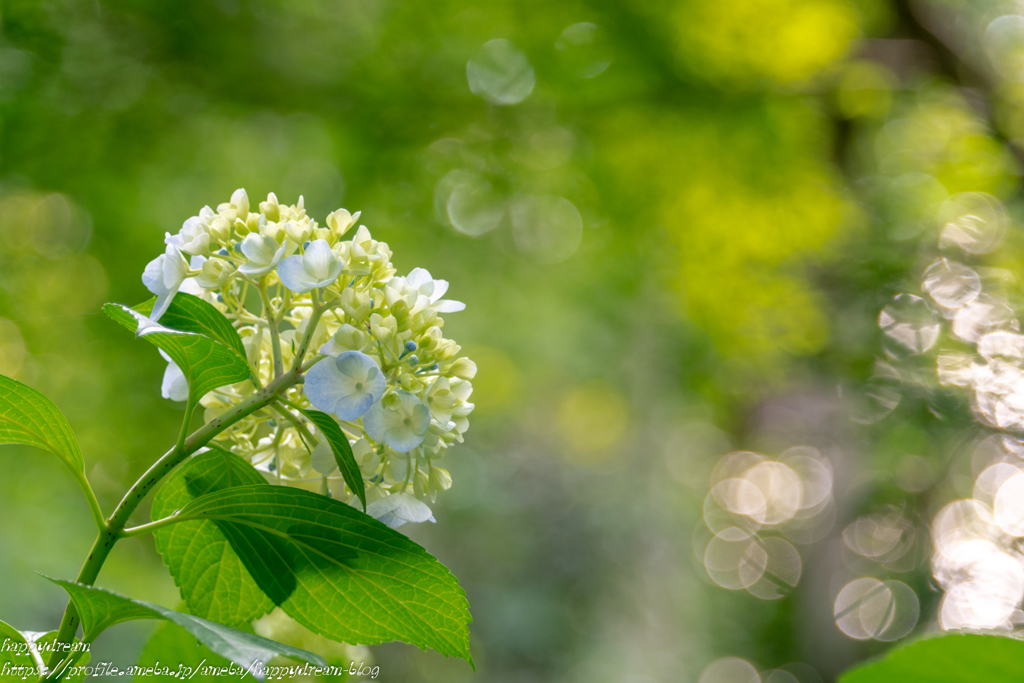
(318, 260)
(294, 275)
(449, 306)
(398, 509)
(325, 385)
(174, 385)
(163, 302)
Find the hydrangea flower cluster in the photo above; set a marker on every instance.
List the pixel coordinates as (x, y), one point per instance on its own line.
(384, 369)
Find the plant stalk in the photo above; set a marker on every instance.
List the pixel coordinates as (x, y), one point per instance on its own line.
(114, 527)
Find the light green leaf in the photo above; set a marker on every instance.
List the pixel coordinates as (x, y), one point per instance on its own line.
(179, 650)
(17, 654)
(952, 658)
(189, 313)
(338, 571)
(25, 654)
(100, 609)
(71, 667)
(342, 450)
(213, 581)
(207, 364)
(27, 417)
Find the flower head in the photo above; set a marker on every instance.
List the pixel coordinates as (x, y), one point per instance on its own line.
(316, 267)
(388, 362)
(346, 386)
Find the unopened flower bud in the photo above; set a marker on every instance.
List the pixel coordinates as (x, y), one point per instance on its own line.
(298, 232)
(420, 483)
(240, 200)
(274, 231)
(341, 220)
(440, 480)
(215, 273)
(270, 208)
(356, 304)
(220, 229)
(464, 368)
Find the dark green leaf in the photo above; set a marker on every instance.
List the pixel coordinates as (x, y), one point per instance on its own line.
(189, 313)
(342, 451)
(952, 658)
(213, 581)
(100, 609)
(339, 572)
(27, 417)
(206, 364)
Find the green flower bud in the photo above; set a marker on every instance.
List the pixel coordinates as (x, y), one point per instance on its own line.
(270, 208)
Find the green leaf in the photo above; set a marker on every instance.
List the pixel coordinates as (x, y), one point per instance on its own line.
(952, 658)
(17, 654)
(27, 417)
(213, 581)
(207, 364)
(100, 609)
(189, 313)
(179, 650)
(25, 654)
(70, 669)
(342, 451)
(338, 571)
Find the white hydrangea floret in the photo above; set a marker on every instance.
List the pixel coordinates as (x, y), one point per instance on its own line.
(399, 508)
(163, 276)
(316, 267)
(194, 236)
(174, 385)
(263, 254)
(433, 290)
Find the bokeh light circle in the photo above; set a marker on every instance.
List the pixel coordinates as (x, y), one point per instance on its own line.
(730, 670)
(500, 73)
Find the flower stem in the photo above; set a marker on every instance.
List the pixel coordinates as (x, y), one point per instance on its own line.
(90, 497)
(314, 320)
(275, 334)
(114, 528)
(308, 438)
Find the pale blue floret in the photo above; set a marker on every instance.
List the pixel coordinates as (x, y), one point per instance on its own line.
(346, 386)
(316, 267)
(401, 426)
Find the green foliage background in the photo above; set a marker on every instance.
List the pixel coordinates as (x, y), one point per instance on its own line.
(736, 176)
